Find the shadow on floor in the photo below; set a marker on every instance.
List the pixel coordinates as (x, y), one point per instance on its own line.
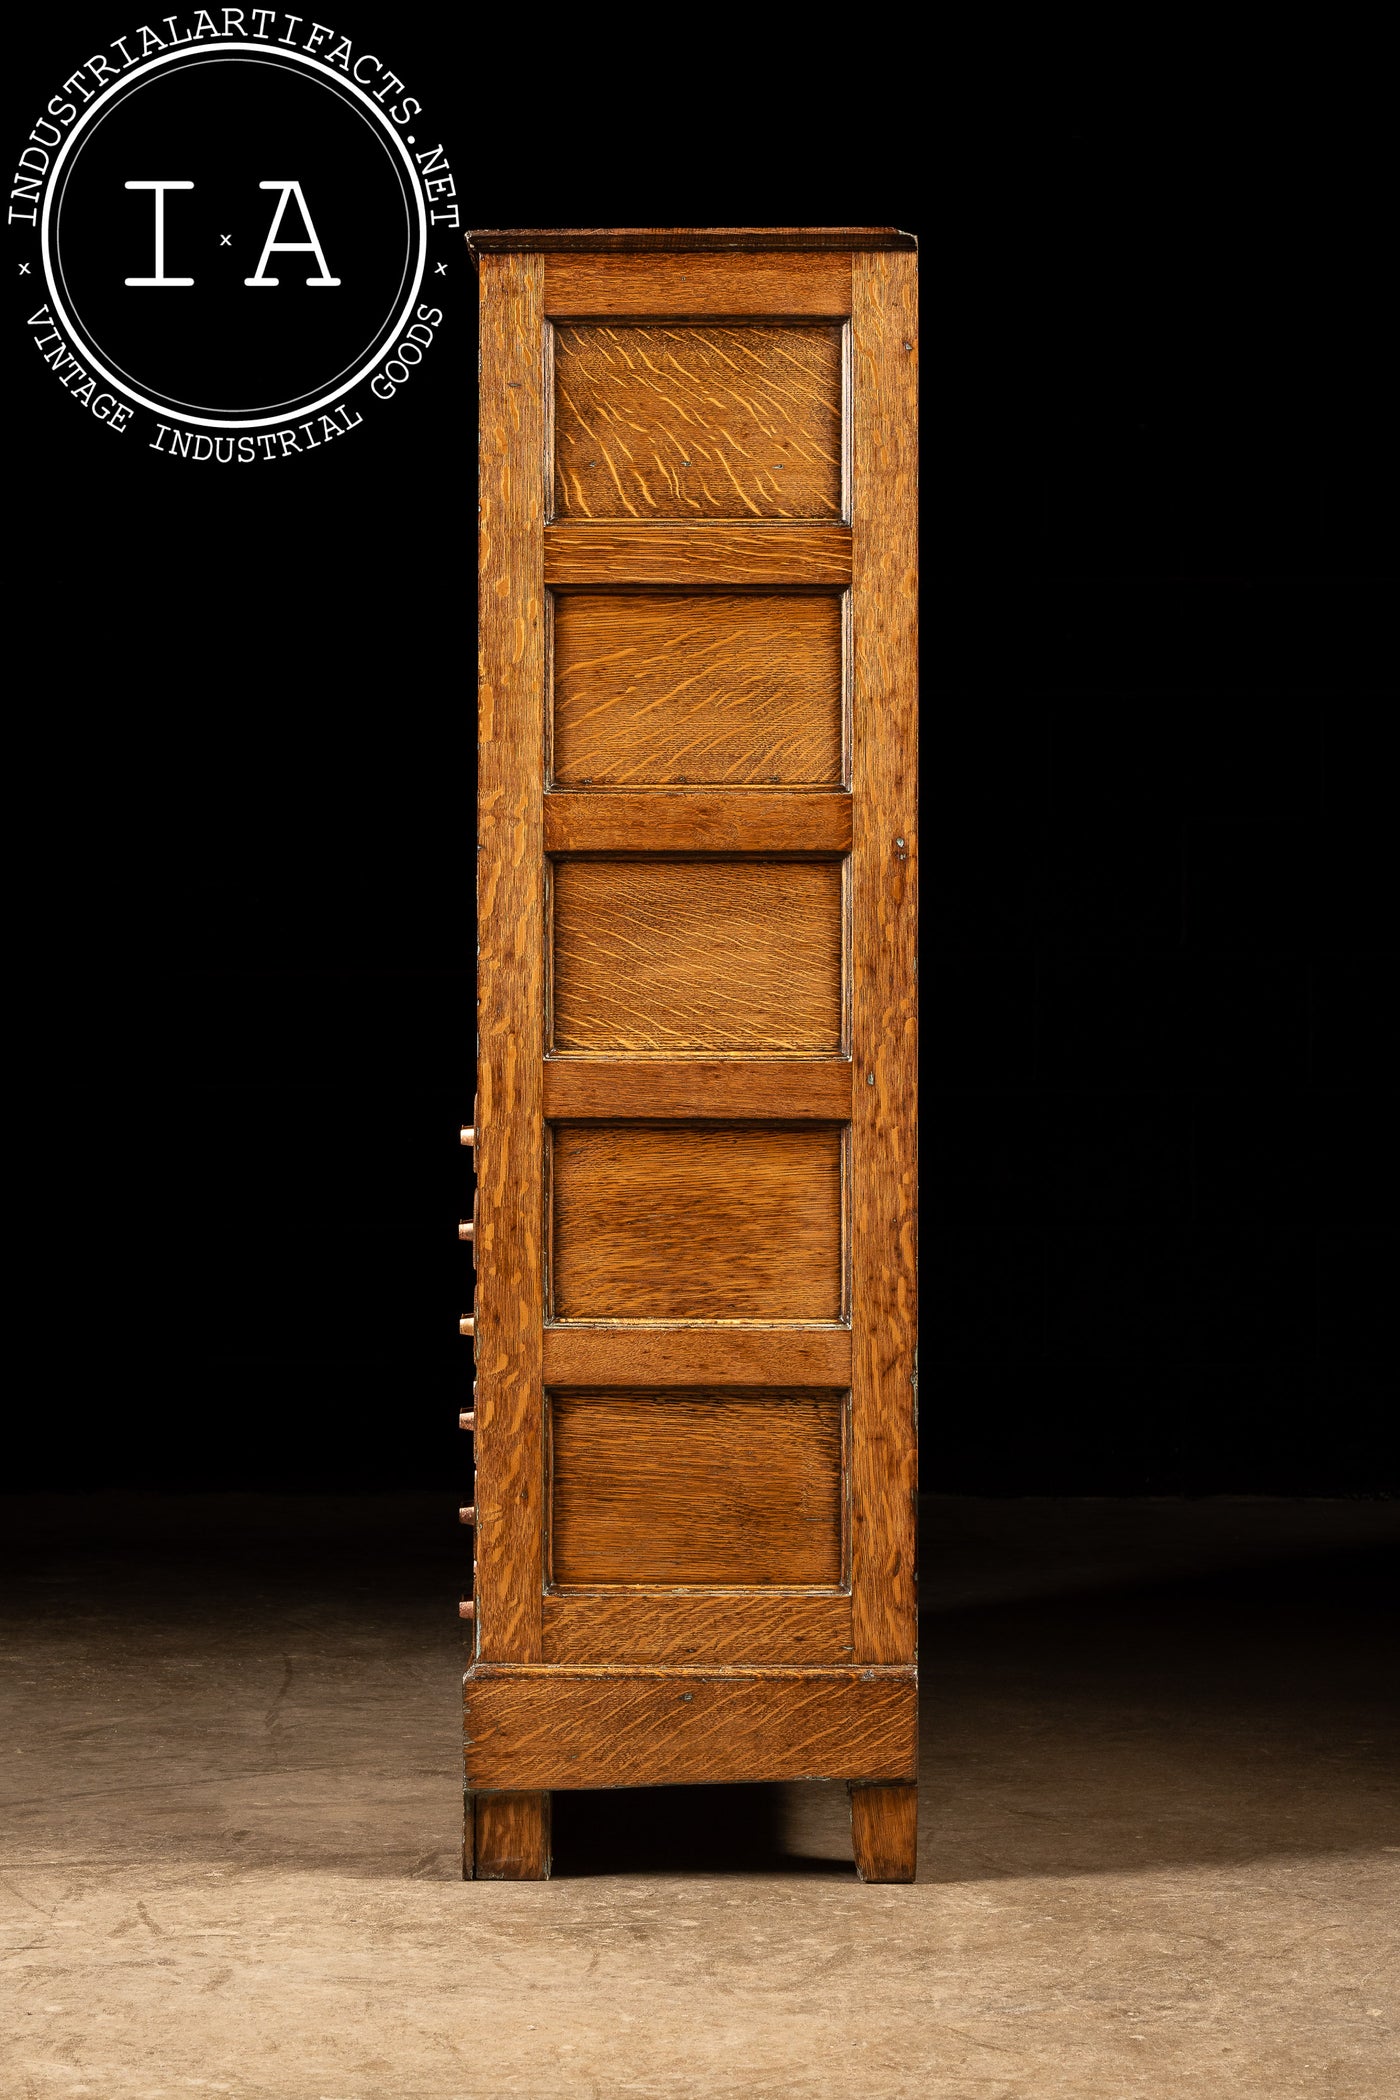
(1107, 1687)
(681, 1830)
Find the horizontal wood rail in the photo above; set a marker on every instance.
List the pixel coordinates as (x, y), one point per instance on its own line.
(696, 820)
(697, 556)
(549, 1727)
(685, 1355)
(616, 1089)
(695, 1626)
(698, 285)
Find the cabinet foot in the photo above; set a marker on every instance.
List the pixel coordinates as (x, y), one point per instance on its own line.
(884, 1831)
(507, 1837)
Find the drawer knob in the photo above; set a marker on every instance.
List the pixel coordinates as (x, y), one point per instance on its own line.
(466, 1609)
(467, 1420)
(468, 1134)
(467, 1515)
(465, 1229)
(466, 1325)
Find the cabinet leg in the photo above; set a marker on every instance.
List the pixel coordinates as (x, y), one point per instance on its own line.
(507, 1838)
(885, 1831)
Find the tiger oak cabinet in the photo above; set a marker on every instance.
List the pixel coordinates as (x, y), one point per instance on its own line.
(693, 1231)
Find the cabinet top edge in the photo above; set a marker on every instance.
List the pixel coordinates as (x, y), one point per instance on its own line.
(618, 240)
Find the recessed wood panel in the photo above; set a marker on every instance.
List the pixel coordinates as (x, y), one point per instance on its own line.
(696, 1487)
(697, 955)
(677, 421)
(668, 690)
(696, 1222)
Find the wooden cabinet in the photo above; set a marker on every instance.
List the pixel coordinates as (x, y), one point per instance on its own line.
(694, 1230)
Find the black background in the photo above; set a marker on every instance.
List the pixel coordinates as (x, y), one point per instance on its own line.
(1156, 803)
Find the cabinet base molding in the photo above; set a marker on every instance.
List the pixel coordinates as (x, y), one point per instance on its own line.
(535, 1727)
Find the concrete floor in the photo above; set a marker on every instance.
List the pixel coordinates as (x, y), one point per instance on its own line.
(1160, 1845)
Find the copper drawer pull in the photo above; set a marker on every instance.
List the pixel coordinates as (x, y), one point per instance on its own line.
(466, 1325)
(466, 1609)
(467, 1515)
(467, 1420)
(468, 1134)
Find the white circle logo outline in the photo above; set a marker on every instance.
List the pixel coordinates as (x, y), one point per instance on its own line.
(184, 409)
(235, 422)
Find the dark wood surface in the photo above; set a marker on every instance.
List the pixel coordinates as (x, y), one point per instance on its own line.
(703, 1221)
(670, 690)
(552, 1727)
(682, 240)
(718, 955)
(885, 1831)
(695, 1488)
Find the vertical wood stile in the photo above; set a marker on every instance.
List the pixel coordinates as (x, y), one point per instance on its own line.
(510, 963)
(883, 991)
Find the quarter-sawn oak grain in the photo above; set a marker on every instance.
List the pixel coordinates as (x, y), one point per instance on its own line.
(696, 1626)
(884, 1831)
(719, 955)
(699, 1204)
(697, 820)
(637, 1727)
(884, 1009)
(695, 557)
(694, 1488)
(685, 286)
(698, 421)
(697, 1221)
(693, 1354)
(511, 1836)
(610, 1089)
(509, 1153)
(675, 690)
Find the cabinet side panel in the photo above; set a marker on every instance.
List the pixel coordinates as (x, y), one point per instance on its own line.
(511, 963)
(883, 1018)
